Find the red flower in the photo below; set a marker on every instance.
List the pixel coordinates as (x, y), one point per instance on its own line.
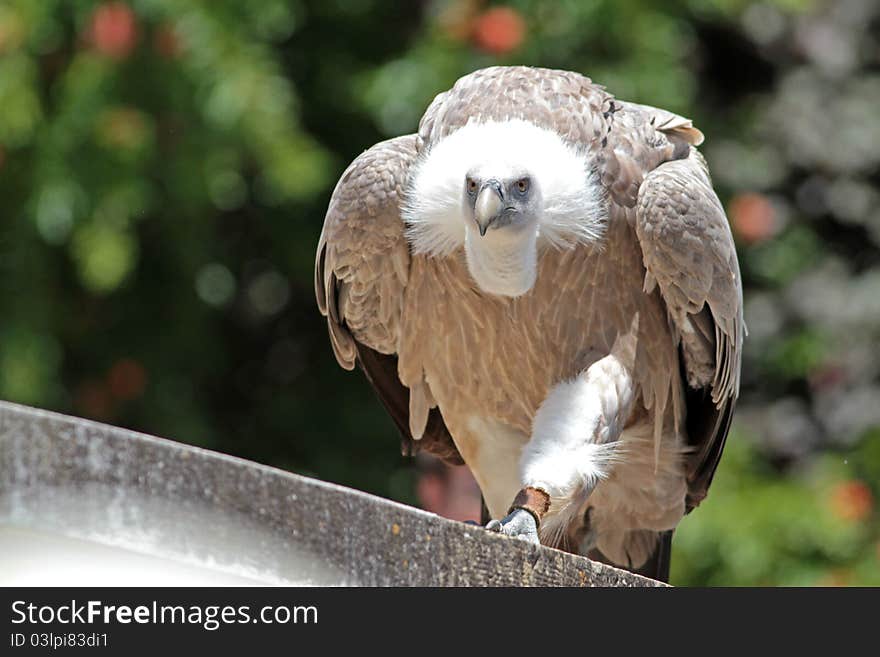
(126, 379)
(93, 400)
(499, 30)
(113, 30)
(837, 577)
(852, 500)
(753, 217)
(166, 42)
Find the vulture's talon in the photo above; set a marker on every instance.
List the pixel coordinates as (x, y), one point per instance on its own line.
(519, 524)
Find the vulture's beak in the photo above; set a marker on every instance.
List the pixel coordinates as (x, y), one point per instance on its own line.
(488, 206)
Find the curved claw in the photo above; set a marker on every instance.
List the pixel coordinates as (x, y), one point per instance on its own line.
(519, 524)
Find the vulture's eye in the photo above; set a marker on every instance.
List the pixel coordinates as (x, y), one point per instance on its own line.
(471, 185)
(522, 185)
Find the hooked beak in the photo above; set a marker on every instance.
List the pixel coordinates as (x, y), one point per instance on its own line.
(488, 206)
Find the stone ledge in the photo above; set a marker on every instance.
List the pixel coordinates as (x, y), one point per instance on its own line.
(119, 481)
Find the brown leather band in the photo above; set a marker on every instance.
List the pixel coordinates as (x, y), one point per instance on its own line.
(533, 500)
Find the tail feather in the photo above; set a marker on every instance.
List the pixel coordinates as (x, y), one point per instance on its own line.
(657, 565)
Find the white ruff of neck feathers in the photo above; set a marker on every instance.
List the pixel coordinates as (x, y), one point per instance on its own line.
(574, 208)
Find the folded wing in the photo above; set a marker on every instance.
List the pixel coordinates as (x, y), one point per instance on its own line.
(361, 272)
(689, 254)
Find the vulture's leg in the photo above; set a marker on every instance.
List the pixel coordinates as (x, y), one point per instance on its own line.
(571, 447)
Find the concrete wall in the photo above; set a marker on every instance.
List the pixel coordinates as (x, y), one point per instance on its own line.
(73, 477)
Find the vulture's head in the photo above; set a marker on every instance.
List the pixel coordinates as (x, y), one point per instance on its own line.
(503, 191)
(496, 196)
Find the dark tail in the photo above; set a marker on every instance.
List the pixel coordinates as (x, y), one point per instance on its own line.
(657, 565)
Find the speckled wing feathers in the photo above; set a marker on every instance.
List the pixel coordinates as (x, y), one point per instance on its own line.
(361, 271)
(689, 253)
(363, 258)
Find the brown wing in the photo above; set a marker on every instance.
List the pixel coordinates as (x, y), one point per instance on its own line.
(361, 272)
(689, 254)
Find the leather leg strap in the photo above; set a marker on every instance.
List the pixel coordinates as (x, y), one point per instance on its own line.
(533, 500)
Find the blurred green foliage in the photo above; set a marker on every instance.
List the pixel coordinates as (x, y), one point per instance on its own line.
(165, 166)
(812, 527)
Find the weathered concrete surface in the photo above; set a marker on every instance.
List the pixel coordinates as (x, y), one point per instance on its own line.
(121, 484)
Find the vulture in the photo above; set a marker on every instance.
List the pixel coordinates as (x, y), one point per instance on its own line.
(542, 284)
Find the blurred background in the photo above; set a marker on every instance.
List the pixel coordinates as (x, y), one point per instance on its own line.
(165, 166)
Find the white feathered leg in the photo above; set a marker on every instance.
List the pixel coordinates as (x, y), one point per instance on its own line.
(572, 446)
